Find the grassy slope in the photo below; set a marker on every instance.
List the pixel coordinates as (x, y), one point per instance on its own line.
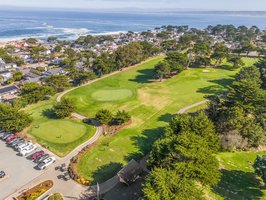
(52, 134)
(238, 180)
(151, 106)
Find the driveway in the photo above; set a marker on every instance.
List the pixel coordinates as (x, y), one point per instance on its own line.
(19, 170)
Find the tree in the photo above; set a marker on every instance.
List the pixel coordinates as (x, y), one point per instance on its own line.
(52, 39)
(121, 117)
(236, 61)
(162, 70)
(58, 82)
(33, 92)
(247, 47)
(18, 76)
(84, 77)
(168, 185)
(36, 52)
(220, 52)
(104, 116)
(186, 149)
(260, 167)
(64, 108)
(11, 119)
(261, 65)
(58, 48)
(177, 61)
(128, 55)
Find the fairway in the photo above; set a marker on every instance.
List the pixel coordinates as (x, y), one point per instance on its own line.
(151, 106)
(63, 131)
(61, 136)
(111, 94)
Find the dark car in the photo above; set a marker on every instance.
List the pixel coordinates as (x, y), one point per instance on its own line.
(20, 141)
(41, 158)
(2, 174)
(37, 155)
(15, 141)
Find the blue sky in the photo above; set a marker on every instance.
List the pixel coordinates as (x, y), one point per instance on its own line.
(182, 4)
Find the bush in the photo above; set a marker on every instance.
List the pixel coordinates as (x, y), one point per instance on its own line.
(104, 116)
(232, 141)
(122, 117)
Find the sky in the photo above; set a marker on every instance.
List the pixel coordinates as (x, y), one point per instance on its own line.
(236, 5)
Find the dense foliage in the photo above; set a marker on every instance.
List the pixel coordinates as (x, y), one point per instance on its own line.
(11, 119)
(240, 114)
(104, 116)
(260, 167)
(58, 82)
(33, 92)
(186, 153)
(64, 108)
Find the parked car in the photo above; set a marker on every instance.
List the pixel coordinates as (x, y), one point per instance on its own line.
(23, 145)
(12, 137)
(17, 142)
(45, 163)
(25, 151)
(2, 174)
(7, 135)
(41, 158)
(37, 155)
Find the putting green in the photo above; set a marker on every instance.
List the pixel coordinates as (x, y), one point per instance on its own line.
(59, 131)
(112, 94)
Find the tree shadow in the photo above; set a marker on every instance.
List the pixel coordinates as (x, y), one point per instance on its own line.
(144, 142)
(226, 67)
(166, 118)
(145, 76)
(237, 184)
(49, 113)
(105, 172)
(221, 85)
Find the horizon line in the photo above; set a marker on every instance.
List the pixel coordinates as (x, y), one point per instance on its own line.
(151, 9)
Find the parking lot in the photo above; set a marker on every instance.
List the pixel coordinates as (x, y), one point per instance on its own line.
(19, 170)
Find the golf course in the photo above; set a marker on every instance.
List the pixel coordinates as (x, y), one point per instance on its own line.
(151, 104)
(60, 136)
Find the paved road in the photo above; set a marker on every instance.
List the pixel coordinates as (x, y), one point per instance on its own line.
(183, 110)
(19, 170)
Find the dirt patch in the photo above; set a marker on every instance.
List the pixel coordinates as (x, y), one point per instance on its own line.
(158, 101)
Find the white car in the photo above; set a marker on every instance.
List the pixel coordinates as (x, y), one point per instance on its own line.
(20, 147)
(28, 150)
(45, 163)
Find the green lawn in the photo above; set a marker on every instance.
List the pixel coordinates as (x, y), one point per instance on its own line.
(60, 136)
(238, 180)
(151, 105)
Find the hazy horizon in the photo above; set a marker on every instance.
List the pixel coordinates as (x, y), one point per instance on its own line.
(185, 5)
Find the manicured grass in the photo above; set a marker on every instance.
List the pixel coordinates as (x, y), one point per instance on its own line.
(238, 180)
(60, 136)
(151, 105)
(59, 131)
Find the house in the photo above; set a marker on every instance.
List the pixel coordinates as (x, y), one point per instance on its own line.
(31, 77)
(130, 173)
(8, 93)
(6, 75)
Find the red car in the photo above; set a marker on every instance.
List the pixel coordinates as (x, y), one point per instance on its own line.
(10, 138)
(37, 155)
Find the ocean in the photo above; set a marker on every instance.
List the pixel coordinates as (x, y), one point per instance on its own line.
(68, 25)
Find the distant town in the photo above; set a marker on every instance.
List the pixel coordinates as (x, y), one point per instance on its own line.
(31, 60)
